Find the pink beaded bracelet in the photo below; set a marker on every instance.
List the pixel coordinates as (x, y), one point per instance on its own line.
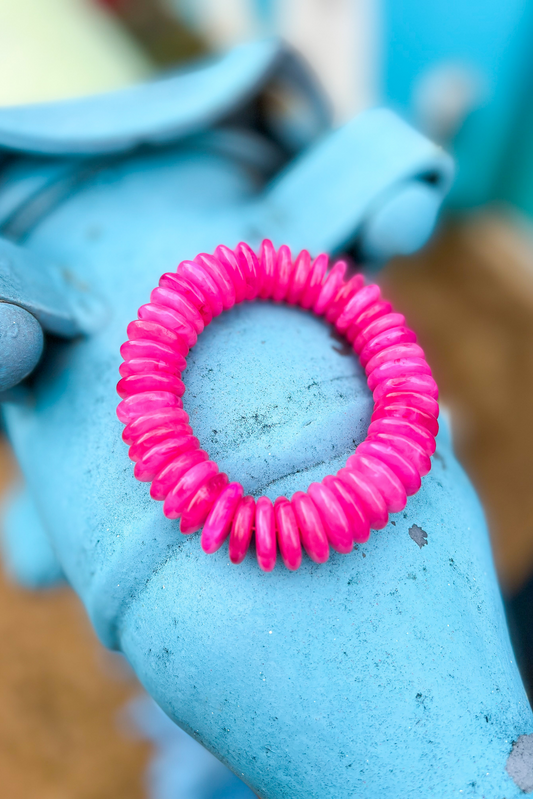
(384, 470)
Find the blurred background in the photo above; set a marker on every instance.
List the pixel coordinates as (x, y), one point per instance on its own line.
(462, 73)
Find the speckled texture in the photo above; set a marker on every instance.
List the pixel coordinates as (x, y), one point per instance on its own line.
(386, 672)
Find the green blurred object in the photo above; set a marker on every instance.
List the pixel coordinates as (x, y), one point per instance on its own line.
(164, 37)
(58, 49)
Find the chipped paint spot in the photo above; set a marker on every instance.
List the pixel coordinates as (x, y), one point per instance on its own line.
(520, 763)
(418, 535)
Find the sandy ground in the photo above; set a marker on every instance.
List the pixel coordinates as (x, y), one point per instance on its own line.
(60, 693)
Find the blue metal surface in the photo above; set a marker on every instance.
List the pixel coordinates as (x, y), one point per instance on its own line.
(49, 291)
(21, 344)
(374, 172)
(386, 671)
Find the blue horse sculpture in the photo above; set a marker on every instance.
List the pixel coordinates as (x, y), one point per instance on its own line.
(385, 673)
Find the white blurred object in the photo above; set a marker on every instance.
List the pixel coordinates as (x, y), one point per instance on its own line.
(53, 49)
(444, 96)
(222, 23)
(338, 38)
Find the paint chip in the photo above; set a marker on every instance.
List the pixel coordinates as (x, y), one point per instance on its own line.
(418, 535)
(520, 763)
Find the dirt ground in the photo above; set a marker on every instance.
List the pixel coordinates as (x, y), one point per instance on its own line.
(61, 696)
(470, 298)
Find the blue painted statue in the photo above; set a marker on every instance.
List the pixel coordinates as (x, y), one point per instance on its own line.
(384, 673)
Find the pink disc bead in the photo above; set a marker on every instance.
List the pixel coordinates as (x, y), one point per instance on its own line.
(388, 338)
(157, 457)
(314, 281)
(369, 315)
(333, 518)
(153, 331)
(312, 533)
(412, 399)
(389, 424)
(376, 327)
(401, 467)
(330, 287)
(167, 478)
(283, 273)
(267, 261)
(179, 497)
(394, 353)
(143, 424)
(242, 530)
(371, 500)
(422, 384)
(388, 484)
(201, 503)
(251, 268)
(169, 318)
(176, 301)
(156, 436)
(411, 414)
(300, 273)
(403, 367)
(265, 534)
(154, 381)
(288, 532)
(194, 273)
(411, 451)
(215, 269)
(153, 350)
(344, 295)
(141, 366)
(188, 291)
(148, 402)
(362, 299)
(231, 264)
(359, 525)
(218, 523)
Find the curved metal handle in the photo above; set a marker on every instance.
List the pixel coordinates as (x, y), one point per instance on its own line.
(375, 184)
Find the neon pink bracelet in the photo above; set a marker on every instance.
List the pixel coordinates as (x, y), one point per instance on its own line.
(384, 470)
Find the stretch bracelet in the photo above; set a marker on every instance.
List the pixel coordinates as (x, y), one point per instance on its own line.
(340, 510)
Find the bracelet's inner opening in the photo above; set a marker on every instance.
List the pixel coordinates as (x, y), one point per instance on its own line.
(275, 397)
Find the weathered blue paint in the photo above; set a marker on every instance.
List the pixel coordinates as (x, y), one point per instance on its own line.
(387, 672)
